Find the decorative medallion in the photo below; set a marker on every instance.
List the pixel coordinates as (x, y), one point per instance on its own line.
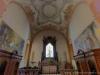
(49, 11)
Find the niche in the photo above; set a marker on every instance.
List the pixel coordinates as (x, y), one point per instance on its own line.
(2, 67)
(16, 68)
(92, 67)
(49, 48)
(78, 66)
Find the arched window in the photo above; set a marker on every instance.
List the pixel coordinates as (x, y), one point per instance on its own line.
(49, 51)
(49, 48)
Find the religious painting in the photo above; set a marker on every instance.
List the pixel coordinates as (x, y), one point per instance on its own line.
(87, 40)
(10, 40)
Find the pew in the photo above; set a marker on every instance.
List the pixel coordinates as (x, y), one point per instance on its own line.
(9, 62)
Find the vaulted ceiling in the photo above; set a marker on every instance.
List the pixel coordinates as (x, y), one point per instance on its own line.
(47, 14)
(50, 14)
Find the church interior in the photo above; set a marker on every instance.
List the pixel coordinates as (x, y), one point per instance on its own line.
(49, 37)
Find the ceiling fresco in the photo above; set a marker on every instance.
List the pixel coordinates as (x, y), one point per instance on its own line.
(46, 14)
(49, 14)
(49, 10)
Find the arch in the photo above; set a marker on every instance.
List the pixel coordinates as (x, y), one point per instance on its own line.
(49, 48)
(18, 4)
(29, 14)
(50, 29)
(27, 9)
(37, 46)
(16, 18)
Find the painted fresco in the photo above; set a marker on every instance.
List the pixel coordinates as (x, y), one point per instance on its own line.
(9, 40)
(87, 39)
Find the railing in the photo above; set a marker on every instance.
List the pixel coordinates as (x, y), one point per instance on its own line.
(67, 73)
(28, 72)
(62, 72)
(79, 73)
(75, 72)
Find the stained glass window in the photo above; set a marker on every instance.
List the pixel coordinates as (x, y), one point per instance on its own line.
(49, 50)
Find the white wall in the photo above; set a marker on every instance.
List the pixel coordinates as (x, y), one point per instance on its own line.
(16, 18)
(37, 47)
(81, 18)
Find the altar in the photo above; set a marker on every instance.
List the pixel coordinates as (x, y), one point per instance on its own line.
(49, 67)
